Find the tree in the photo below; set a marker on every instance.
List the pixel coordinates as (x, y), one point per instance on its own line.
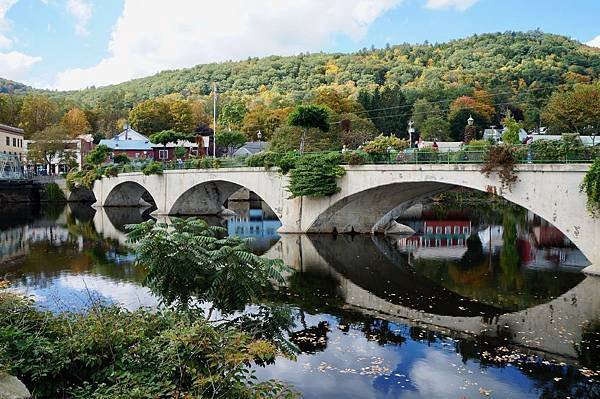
(48, 145)
(182, 116)
(98, 155)
(309, 116)
(165, 137)
(179, 152)
(422, 110)
(10, 109)
(435, 128)
(466, 107)
(76, 123)
(573, 111)
(109, 109)
(232, 114)
(387, 108)
(188, 261)
(37, 113)
(354, 130)
(231, 140)
(511, 134)
(151, 116)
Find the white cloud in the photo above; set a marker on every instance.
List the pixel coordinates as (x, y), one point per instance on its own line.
(15, 65)
(595, 42)
(151, 35)
(457, 4)
(81, 10)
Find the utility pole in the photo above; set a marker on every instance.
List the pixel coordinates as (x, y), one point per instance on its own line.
(215, 120)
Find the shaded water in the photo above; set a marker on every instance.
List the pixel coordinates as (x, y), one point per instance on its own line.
(473, 303)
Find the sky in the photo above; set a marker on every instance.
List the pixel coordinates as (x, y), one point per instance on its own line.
(73, 44)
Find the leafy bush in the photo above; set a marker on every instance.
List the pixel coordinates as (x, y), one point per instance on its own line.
(190, 261)
(113, 353)
(356, 157)
(267, 159)
(215, 163)
(98, 155)
(476, 145)
(111, 171)
(381, 144)
(316, 175)
(54, 193)
(121, 159)
(511, 134)
(152, 168)
(591, 186)
(501, 159)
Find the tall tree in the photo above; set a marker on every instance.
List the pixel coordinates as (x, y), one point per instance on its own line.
(309, 116)
(387, 108)
(37, 113)
(76, 123)
(231, 140)
(150, 116)
(466, 107)
(182, 116)
(574, 111)
(47, 146)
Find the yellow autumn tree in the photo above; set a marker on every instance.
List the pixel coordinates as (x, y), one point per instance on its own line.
(75, 122)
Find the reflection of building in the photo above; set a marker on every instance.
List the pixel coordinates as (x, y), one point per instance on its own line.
(255, 223)
(12, 244)
(437, 239)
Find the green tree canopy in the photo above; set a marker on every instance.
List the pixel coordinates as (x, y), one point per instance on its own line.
(98, 155)
(151, 116)
(307, 117)
(231, 140)
(573, 111)
(435, 128)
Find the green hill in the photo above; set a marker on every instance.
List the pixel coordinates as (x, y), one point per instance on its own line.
(486, 61)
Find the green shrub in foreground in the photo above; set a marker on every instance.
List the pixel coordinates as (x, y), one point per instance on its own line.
(316, 175)
(112, 353)
(591, 187)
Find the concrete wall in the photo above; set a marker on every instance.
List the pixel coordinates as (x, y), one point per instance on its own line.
(370, 196)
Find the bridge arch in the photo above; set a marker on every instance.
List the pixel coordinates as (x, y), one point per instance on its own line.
(209, 197)
(128, 194)
(364, 205)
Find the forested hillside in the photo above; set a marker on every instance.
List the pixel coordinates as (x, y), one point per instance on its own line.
(515, 60)
(538, 78)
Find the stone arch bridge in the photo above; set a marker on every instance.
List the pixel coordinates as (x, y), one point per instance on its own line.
(371, 196)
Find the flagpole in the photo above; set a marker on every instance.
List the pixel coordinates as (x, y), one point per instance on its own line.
(215, 120)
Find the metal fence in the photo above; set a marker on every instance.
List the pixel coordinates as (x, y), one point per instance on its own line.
(10, 168)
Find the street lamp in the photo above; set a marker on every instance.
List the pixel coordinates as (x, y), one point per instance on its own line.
(411, 130)
(389, 151)
(470, 121)
(259, 135)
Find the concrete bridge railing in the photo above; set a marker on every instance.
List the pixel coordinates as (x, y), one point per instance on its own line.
(370, 196)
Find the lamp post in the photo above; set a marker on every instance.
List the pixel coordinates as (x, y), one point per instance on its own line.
(389, 151)
(411, 130)
(259, 136)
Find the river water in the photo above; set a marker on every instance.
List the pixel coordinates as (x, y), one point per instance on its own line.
(479, 302)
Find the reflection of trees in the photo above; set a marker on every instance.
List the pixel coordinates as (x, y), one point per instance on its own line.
(588, 350)
(510, 276)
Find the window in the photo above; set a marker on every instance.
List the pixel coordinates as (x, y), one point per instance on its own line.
(456, 229)
(466, 230)
(448, 230)
(14, 142)
(429, 230)
(163, 154)
(137, 155)
(438, 230)
(7, 140)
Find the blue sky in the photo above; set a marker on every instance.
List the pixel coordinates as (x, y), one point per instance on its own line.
(70, 44)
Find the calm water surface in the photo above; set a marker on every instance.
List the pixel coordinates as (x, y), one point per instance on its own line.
(474, 304)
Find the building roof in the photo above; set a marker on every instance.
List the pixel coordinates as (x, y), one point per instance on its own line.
(11, 129)
(142, 145)
(251, 147)
(130, 134)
